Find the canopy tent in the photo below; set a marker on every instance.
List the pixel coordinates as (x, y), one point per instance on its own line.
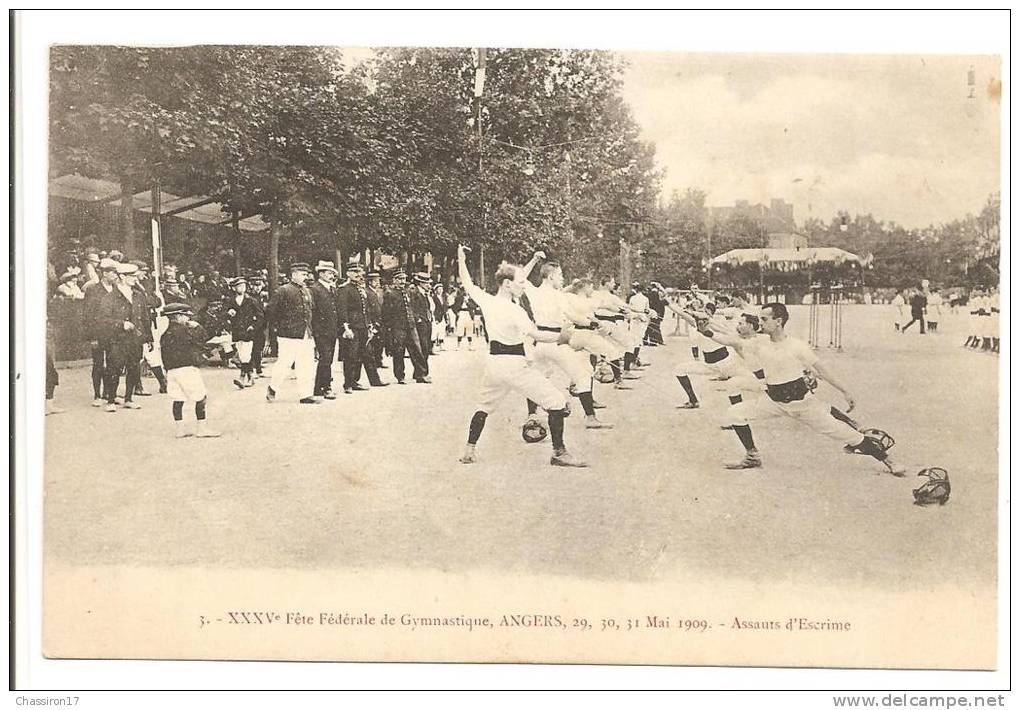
(790, 257)
(194, 208)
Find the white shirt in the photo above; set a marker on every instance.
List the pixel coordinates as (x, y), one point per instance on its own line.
(783, 361)
(898, 300)
(546, 305)
(505, 321)
(639, 301)
(934, 300)
(577, 307)
(608, 303)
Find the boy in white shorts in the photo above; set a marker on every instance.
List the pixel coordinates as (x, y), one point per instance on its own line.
(181, 347)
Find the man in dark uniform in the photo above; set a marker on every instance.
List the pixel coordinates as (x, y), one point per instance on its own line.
(99, 338)
(398, 319)
(325, 324)
(257, 290)
(421, 306)
(123, 317)
(355, 304)
(244, 314)
(378, 344)
(918, 305)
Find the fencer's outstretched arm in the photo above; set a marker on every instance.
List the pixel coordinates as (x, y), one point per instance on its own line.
(721, 338)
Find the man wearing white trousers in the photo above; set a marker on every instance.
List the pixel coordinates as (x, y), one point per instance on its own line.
(507, 368)
(290, 313)
(553, 314)
(784, 360)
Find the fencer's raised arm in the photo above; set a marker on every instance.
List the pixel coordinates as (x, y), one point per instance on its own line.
(465, 276)
(530, 266)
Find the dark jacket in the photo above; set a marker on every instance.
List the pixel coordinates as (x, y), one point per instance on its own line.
(657, 303)
(115, 309)
(354, 310)
(290, 311)
(181, 345)
(397, 314)
(324, 311)
(375, 305)
(245, 319)
(918, 302)
(94, 293)
(421, 306)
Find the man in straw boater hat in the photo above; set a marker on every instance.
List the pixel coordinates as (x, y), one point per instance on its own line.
(291, 314)
(507, 368)
(181, 346)
(124, 319)
(398, 319)
(355, 308)
(244, 314)
(325, 322)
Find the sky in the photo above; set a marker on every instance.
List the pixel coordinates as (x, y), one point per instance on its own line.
(893, 135)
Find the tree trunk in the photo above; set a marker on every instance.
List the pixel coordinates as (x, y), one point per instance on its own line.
(127, 218)
(274, 256)
(237, 247)
(481, 266)
(625, 267)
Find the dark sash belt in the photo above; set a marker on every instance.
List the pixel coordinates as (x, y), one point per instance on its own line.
(716, 356)
(787, 392)
(498, 348)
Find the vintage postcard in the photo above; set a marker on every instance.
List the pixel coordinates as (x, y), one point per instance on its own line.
(522, 355)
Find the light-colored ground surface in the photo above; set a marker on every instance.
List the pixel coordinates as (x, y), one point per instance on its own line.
(372, 479)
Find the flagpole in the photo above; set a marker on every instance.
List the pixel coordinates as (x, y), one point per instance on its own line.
(157, 242)
(479, 89)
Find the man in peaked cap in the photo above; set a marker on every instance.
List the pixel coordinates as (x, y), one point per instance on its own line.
(326, 325)
(421, 306)
(398, 319)
(377, 346)
(257, 290)
(291, 313)
(123, 317)
(100, 339)
(356, 305)
(244, 315)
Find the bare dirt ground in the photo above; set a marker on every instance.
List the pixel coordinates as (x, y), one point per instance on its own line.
(372, 479)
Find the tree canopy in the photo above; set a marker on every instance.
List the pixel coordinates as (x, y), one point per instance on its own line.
(398, 153)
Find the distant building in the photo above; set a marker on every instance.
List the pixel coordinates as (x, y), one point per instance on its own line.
(777, 216)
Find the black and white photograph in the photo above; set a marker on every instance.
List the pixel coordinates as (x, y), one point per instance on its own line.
(520, 354)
